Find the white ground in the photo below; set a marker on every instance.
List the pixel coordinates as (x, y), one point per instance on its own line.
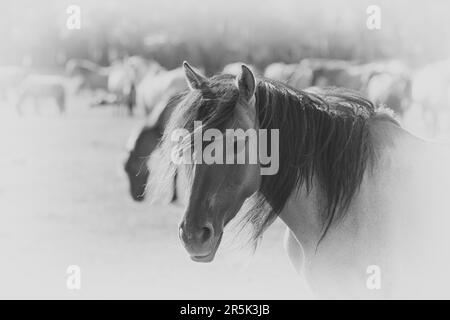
(64, 201)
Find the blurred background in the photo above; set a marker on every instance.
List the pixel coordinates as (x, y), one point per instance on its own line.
(213, 33)
(73, 102)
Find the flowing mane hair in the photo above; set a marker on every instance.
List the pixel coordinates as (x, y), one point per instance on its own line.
(324, 138)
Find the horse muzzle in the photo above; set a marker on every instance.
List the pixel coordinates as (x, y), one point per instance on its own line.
(201, 243)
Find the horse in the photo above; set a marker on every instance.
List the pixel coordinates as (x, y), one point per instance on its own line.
(159, 98)
(156, 94)
(364, 200)
(36, 87)
(10, 79)
(125, 76)
(316, 72)
(116, 83)
(142, 67)
(383, 82)
(140, 148)
(339, 73)
(92, 76)
(122, 84)
(386, 82)
(296, 75)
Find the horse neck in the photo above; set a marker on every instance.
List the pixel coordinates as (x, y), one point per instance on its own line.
(301, 216)
(393, 147)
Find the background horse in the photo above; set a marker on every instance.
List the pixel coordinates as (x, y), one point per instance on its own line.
(122, 85)
(10, 79)
(157, 87)
(156, 94)
(354, 189)
(91, 76)
(296, 75)
(39, 87)
(115, 84)
(386, 82)
(141, 146)
(125, 76)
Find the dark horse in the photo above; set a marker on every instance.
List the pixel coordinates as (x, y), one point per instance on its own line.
(142, 148)
(358, 193)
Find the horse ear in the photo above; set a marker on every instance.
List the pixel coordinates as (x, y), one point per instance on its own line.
(246, 83)
(194, 79)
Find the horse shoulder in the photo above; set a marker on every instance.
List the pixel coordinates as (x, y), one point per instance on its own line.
(410, 187)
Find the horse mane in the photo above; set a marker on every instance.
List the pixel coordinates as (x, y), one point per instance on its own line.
(324, 139)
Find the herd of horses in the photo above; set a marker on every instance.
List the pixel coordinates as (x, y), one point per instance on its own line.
(353, 188)
(118, 84)
(137, 83)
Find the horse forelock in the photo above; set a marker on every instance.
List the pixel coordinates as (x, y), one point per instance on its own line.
(213, 105)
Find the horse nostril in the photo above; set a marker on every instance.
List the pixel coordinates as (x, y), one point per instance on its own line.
(195, 237)
(206, 234)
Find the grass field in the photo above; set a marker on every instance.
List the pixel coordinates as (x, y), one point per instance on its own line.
(64, 201)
